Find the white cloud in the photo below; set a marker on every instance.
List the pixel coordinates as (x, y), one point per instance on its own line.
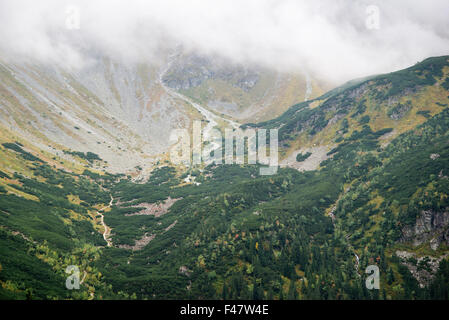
(329, 38)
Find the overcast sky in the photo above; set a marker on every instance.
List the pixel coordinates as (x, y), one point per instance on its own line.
(334, 39)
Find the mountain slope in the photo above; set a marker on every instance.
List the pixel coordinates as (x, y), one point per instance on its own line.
(400, 101)
(105, 107)
(379, 196)
(245, 93)
(123, 112)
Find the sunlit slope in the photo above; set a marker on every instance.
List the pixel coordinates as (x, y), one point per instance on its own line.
(394, 102)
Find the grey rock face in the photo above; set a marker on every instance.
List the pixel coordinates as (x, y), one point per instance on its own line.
(430, 225)
(422, 268)
(399, 111)
(191, 71)
(115, 109)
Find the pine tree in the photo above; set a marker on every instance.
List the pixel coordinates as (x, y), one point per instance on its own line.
(224, 294)
(292, 294)
(270, 295)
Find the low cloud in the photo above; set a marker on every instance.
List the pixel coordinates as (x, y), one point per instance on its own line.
(333, 39)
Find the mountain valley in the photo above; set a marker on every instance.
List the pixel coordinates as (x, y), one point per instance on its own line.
(85, 180)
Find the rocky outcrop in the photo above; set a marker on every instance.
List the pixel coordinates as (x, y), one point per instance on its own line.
(184, 271)
(399, 111)
(140, 243)
(318, 155)
(153, 209)
(422, 268)
(191, 71)
(432, 226)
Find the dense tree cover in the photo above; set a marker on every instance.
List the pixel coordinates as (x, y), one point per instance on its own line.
(23, 271)
(445, 84)
(40, 235)
(439, 289)
(241, 235)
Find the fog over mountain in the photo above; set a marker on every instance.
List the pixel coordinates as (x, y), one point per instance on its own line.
(338, 40)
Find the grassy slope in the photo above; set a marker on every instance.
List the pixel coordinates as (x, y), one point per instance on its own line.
(420, 87)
